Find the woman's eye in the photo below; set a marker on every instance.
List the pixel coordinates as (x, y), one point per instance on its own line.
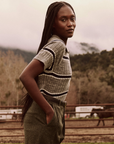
(63, 20)
(73, 19)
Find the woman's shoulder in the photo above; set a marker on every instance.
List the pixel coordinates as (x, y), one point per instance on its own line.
(55, 43)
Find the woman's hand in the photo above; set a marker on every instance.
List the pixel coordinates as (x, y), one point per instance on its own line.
(49, 116)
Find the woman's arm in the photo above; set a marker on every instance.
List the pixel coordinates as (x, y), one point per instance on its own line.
(27, 77)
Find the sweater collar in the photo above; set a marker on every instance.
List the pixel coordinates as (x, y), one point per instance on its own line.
(55, 37)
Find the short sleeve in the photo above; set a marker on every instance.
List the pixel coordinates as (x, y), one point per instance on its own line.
(49, 53)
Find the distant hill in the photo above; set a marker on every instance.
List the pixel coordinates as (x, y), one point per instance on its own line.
(74, 48)
(88, 61)
(81, 48)
(28, 56)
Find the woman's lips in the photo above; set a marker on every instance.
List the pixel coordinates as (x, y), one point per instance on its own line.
(70, 30)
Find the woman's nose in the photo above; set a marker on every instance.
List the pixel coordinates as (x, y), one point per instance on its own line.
(69, 23)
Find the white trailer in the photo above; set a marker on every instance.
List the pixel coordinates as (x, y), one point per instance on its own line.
(7, 114)
(84, 111)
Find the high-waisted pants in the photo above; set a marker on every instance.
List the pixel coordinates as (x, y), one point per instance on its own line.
(36, 129)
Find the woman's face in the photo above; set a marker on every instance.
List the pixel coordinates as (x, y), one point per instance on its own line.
(65, 23)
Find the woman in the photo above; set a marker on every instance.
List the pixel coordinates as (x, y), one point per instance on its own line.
(47, 78)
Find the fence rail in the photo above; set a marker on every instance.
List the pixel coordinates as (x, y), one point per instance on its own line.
(67, 120)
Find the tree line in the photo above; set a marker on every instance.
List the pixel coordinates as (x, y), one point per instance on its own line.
(93, 77)
(92, 80)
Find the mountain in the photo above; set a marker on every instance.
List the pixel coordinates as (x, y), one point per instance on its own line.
(81, 48)
(28, 56)
(73, 47)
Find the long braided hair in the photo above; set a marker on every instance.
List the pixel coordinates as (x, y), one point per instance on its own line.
(46, 35)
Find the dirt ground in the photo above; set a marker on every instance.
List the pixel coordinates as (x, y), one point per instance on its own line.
(78, 139)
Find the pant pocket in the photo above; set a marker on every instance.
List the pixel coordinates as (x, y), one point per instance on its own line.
(53, 122)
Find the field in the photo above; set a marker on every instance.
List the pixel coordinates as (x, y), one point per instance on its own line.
(74, 139)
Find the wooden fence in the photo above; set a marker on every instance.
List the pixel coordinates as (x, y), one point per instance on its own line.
(67, 121)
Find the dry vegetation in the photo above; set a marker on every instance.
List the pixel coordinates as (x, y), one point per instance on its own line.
(93, 78)
(11, 66)
(92, 81)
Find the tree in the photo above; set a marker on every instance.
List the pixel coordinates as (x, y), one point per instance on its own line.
(90, 89)
(11, 67)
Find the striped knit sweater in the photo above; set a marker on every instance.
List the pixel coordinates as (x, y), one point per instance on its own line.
(55, 79)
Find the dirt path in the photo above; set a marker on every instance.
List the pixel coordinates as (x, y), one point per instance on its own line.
(78, 139)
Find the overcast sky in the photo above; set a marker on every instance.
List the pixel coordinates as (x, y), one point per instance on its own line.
(22, 21)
